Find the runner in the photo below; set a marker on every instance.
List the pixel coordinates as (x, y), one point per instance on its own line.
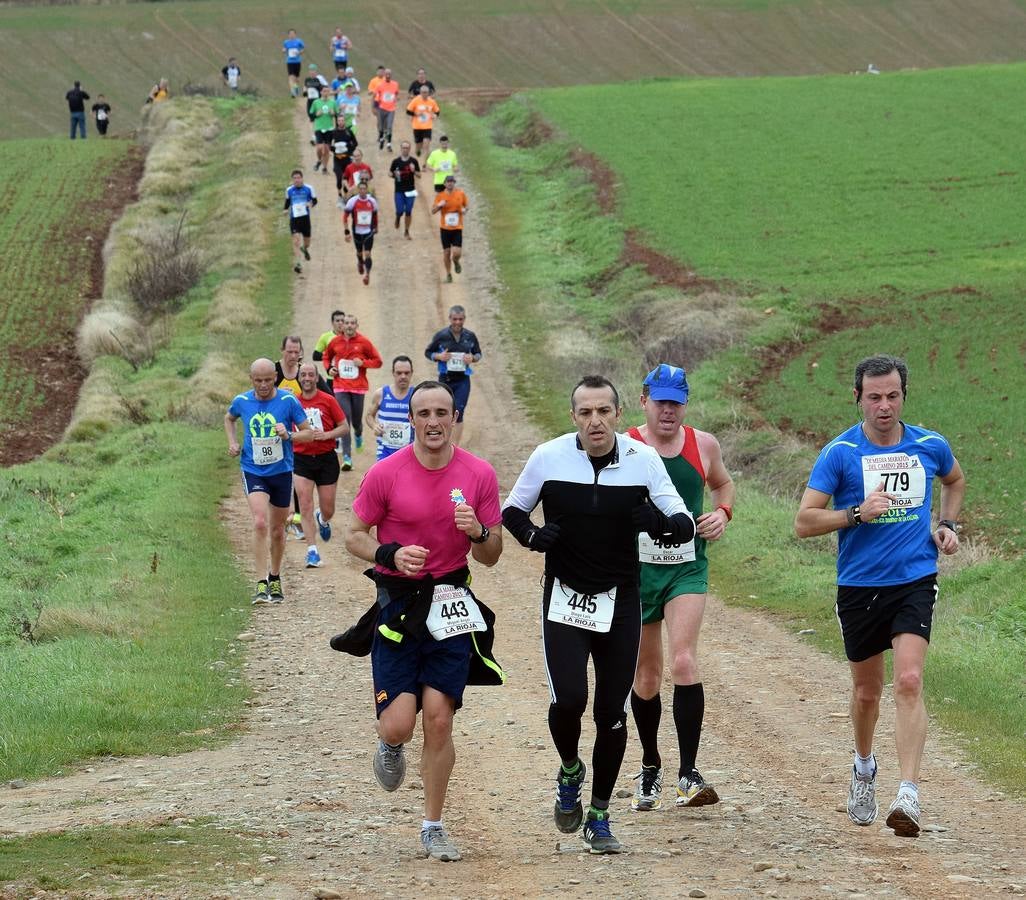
(286, 369)
(293, 48)
(442, 162)
(454, 349)
(342, 142)
(312, 85)
(389, 412)
(356, 172)
(406, 172)
(598, 491)
(420, 81)
(324, 113)
(364, 210)
(231, 74)
(299, 198)
(432, 503)
(269, 415)
(880, 474)
(340, 46)
(424, 110)
(674, 582)
(346, 359)
(316, 464)
(349, 105)
(372, 87)
(337, 319)
(101, 113)
(351, 78)
(386, 96)
(451, 205)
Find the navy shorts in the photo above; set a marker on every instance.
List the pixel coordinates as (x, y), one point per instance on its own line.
(293, 68)
(277, 487)
(460, 388)
(300, 225)
(451, 237)
(406, 667)
(403, 204)
(421, 134)
(870, 617)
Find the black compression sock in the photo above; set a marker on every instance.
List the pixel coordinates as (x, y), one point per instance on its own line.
(688, 712)
(647, 714)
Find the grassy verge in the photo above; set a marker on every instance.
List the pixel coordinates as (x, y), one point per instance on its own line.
(556, 256)
(119, 600)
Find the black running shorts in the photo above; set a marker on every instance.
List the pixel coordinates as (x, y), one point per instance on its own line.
(870, 617)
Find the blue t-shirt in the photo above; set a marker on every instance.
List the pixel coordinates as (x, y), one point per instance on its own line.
(898, 547)
(300, 200)
(293, 50)
(273, 455)
(338, 49)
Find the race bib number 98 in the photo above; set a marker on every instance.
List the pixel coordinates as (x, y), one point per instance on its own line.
(902, 475)
(453, 611)
(267, 451)
(592, 612)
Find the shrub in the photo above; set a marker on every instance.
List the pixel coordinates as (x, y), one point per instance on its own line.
(162, 276)
(113, 332)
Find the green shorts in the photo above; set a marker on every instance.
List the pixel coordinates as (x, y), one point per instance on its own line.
(660, 584)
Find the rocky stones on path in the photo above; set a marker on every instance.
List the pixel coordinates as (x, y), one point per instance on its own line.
(697, 892)
(17, 783)
(762, 866)
(323, 893)
(964, 879)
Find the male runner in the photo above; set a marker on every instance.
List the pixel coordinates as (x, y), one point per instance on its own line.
(343, 143)
(432, 503)
(356, 172)
(293, 48)
(349, 105)
(337, 319)
(674, 582)
(598, 490)
(386, 96)
(312, 85)
(286, 369)
(389, 412)
(347, 358)
(316, 464)
(372, 87)
(101, 113)
(451, 206)
(406, 172)
(231, 74)
(269, 415)
(324, 112)
(340, 46)
(364, 210)
(880, 475)
(442, 162)
(299, 199)
(420, 81)
(423, 109)
(454, 349)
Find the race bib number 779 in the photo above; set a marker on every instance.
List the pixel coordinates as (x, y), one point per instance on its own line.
(902, 476)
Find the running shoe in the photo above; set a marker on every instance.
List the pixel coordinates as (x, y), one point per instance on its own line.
(456, 265)
(406, 235)
(313, 558)
(260, 597)
(448, 279)
(323, 527)
(381, 143)
(306, 253)
(597, 835)
(297, 268)
(359, 264)
(862, 805)
(568, 811)
(358, 440)
(388, 146)
(437, 844)
(650, 785)
(366, 278)
(903, 815)
(317, 166)
(274, 590)
(389, 766)
(692, 790)
(347, 462)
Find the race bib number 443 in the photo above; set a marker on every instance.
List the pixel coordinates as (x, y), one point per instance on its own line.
(453, 611)
(593, 612)
(902, 476)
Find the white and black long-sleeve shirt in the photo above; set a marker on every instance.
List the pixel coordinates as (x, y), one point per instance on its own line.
(597, 547)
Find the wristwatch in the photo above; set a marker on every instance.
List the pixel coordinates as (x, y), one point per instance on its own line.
(950, 524)
(728, 510)
(483, 537)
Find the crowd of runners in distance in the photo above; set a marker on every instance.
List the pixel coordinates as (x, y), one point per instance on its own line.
(628, 520)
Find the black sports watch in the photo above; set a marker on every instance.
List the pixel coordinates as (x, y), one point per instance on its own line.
(483, 537)
(950, 524)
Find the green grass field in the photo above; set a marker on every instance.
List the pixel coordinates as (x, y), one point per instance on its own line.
(54, 216)
(121, 49)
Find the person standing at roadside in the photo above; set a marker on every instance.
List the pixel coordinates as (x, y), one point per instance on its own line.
(101, 114)
(442, 162)
(599, 490)
(76, 98)
(454, 349)
(423, 110)
(405, 170)
(292, 48)
(432, 503)
(674, 582)
(389, 412)
(364, 211)
(879, 475)
(347, 359)
(386, 96)
(451, 206)
(300, 198)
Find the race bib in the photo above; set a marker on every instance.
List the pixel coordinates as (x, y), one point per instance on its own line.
(387, 97)
(396, 436)
(267, 451)
(293, 53)
(445, 165)
(593, 612)
(300, 209)
(423, 117)
(456, 363)
(902, 475)
(660, 554)
(347, 368)
(364, 217)
(410, 194)
(101, 115)
(313, 416)
(452, 219)
(233, 80)
(313, 93)
(453, 611)
(341, 148)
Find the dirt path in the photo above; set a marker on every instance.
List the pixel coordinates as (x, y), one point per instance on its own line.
(776, 741)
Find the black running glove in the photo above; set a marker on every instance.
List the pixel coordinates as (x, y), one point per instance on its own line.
(648, 519)
(542, 539)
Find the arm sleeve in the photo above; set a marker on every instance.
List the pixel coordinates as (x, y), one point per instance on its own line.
(826, 471)
(476, 347)
(432, 347)
(518, 523)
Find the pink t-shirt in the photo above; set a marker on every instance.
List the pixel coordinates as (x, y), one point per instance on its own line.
(414, 505)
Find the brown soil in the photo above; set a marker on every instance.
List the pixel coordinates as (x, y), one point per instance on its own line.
(58, 373)
(776, 743)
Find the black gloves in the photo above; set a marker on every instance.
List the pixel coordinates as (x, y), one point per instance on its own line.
(648, 519)
(544, 538)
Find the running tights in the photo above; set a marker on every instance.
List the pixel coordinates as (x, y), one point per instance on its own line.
(352, 406)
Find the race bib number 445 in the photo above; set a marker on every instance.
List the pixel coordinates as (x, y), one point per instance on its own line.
(593, 612)
(902, 476)
(453, 611)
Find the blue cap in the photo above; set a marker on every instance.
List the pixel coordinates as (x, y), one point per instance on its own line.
(666, 382)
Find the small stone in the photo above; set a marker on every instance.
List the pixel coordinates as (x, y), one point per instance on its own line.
(246, 637)
(838, 715)
(17, 783)
(323, 893)
(573, 881)
(258, 881)
(109, 778)
(327, 751)
(807, 631)
(963, 879)
(762, 866)
(697, 892)
(623, 794)
(934, 828)
(827, 778)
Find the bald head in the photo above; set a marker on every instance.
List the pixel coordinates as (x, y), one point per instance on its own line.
(263, 376)
(261, 365)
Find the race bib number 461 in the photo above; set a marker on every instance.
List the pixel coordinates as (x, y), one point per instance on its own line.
(902, 476)
(453, 611)
(593, 612)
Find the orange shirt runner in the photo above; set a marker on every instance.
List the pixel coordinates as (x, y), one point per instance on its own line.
(386, 94)
(424, 111)
(452, 203)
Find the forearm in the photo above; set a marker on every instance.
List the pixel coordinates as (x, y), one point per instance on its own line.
(229, 429)
(489, 552)
(518, 523)
(952, 496)
(814, 521)
(362, 545)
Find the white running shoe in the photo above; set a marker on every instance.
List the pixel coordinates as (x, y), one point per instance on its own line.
(648, 794)
(694, 790)
(862, 805)
(903, 815)
(437, 844)
(389, 766)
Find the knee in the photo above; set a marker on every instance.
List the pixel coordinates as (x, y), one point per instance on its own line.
(569, 706)
(684, 666)
(867, 693)
(614, 725)
(395, 730)
(260, 524)
(646, 681)
(437, 724)
(908, 685)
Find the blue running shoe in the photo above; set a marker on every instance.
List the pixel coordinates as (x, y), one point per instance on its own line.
(347, 462)
(597, 835)
(323, 527)
(358, 440)
(568, 812)
(313, 558)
